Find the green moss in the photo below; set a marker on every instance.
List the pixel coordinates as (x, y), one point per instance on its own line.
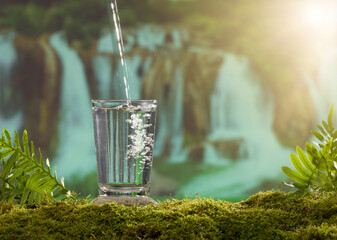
(270, 215)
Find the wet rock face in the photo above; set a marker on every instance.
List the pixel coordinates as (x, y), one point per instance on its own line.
(199, 72)
(231, 149)
(9, 99)
(196, 154)
(37, 78)
(200, 75)
(294, 117)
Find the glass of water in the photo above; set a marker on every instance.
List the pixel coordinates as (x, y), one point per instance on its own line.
(124, 141)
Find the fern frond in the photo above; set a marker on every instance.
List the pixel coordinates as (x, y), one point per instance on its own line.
(23, 177)
(317, 169)
(327, 131)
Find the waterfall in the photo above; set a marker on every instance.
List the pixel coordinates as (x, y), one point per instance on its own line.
(75, 154)
(10, 118)
(103, 71)
(134, 63)
(239, 110)
(150, 37)
(162, 129)
(176, 118)
(106, 44)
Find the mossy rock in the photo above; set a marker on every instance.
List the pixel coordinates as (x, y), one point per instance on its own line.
(269, 215)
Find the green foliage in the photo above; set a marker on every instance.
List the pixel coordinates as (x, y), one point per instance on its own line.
(270, 215)
(22, 177)
(317, 169)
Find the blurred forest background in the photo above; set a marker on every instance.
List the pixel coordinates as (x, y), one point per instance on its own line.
(239, 83)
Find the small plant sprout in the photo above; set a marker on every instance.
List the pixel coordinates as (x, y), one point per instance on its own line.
(316, 170)
(23, 178)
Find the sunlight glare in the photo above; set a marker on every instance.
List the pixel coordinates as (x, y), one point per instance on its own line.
(315, 16)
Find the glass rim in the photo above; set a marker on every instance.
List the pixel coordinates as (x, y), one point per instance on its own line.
(122, 100)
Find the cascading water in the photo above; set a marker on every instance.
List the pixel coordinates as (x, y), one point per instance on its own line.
(104, 43)
(10, 118)
(239, 110)
(75, 154)
(176, 117)
(150, 37)
(103, 71)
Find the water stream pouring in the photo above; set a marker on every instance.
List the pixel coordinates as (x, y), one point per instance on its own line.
(124, 138)
(116, 28)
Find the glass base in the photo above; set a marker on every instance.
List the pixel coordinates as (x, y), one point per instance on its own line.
(123, 190)
(128, 201)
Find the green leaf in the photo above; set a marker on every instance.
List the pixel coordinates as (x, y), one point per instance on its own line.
(326, 127)
(323, 131)
(14, 194)
(326, 149)
(31, 168)
(5, 153)
(41, 161)
(48, 184)
(334, 134)
(330, 123)
(314, 154)
(301, 186)
(24, 164)
(25, 143)
(17, 172)
(8, 165)
(3, 139)
(60, 192)
(17, 140)
(8, 136)
(24, 197)
(304, 159)
(318, 135)
(33, 197)
(295, 175)
(32, 180)
(334, 143)
(298, 166)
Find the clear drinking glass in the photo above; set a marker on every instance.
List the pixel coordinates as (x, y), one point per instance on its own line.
(124, 140)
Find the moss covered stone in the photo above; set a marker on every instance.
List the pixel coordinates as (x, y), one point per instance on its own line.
(269, 215)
